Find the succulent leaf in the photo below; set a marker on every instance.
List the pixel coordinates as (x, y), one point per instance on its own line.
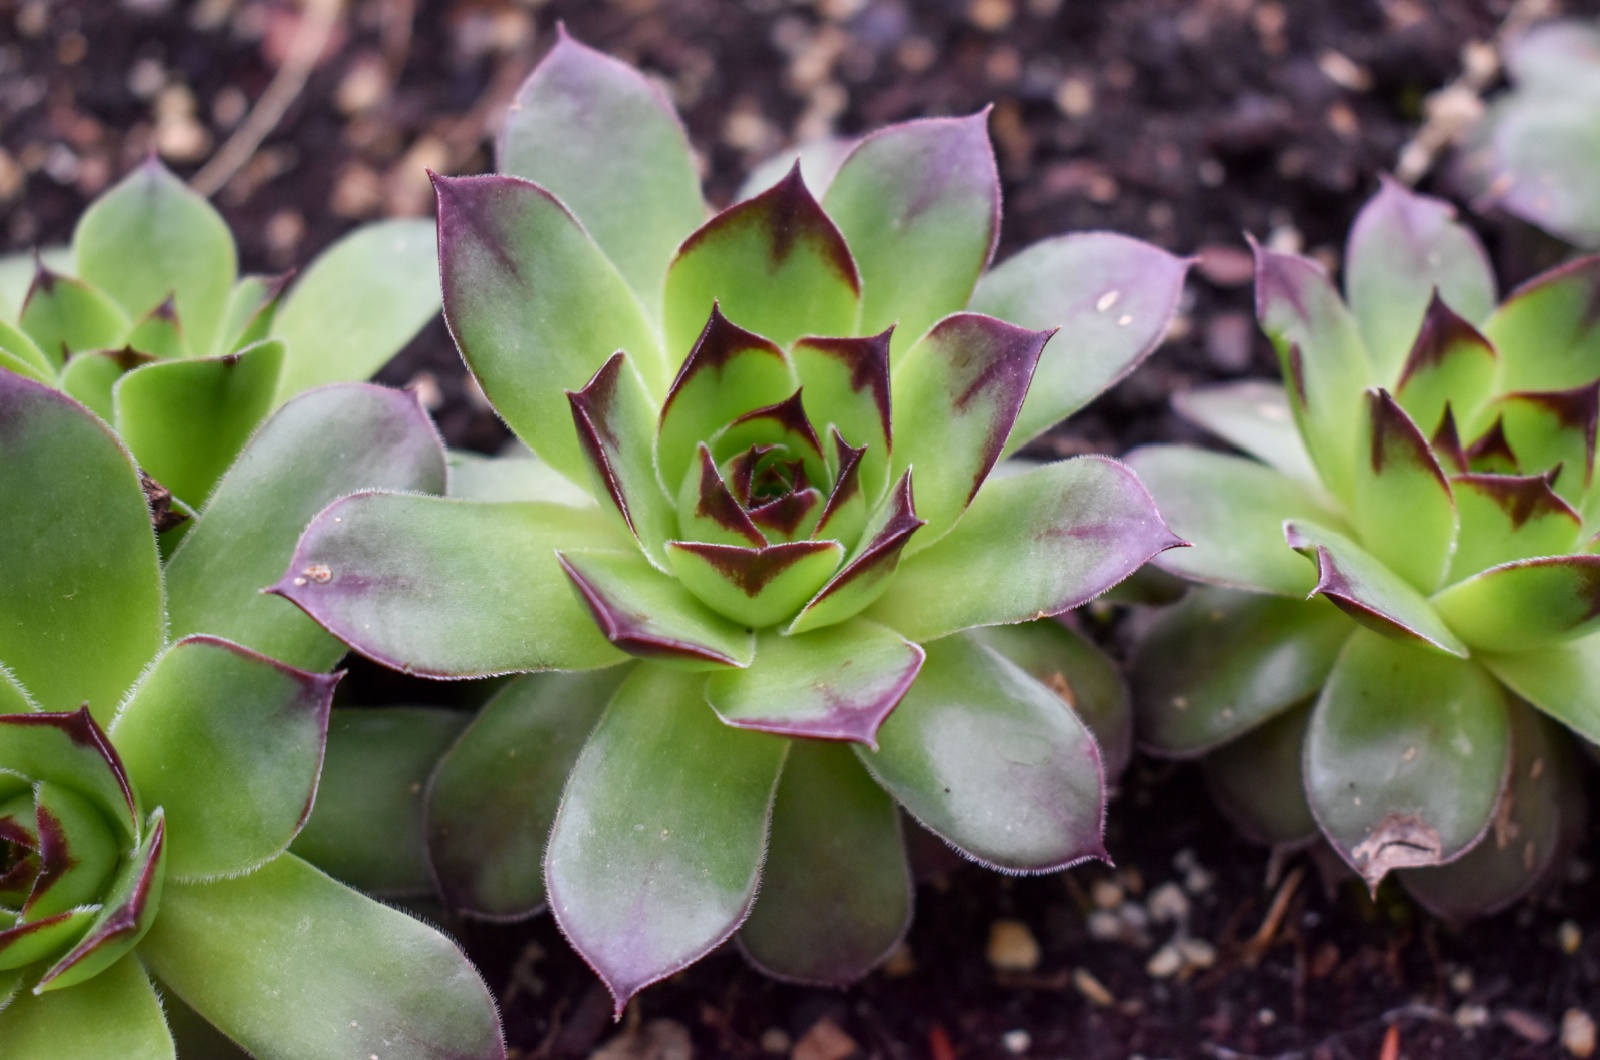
(1525, 604)
(1401, 505)
(836, 891)
(1232, 511)
(781, 240)
(81, 612)
(754, 587)
(511, 477)
(650, 867)
(1406, 756)
(1255, 417)
(1407, 250)
(250, 312)
(1221, 663)
(150, 237)
(534, 307)
(187, 420)
(64, 316)
(709, 512)
(919, 205)
(159, 333)
(350, 977)
(450, 588)
(1450, 366)
(649, 614)
(496, 791)
(835, 683)
(92, 376)
(1258, 782)
(624, 166)
(1547, 331)
(1563, 680)
(320, 446)
(993, 762)
(1111, 297)
(117, 1013)
(958, 392)
(867, 573)
(615, 421)
(784, 426)
(1509, 517)
(21, 354)
(1037, 543)
(845, 382)
(1554, 431)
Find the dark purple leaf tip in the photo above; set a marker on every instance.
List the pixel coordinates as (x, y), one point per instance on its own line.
(1396, 439)
(720, 341)
(867, 359)
(1577, 409)
(847, 484)
(884, 549)
(1521, 497)
(751, 570)
(124, 920)
(1443, 331)
(80, 727)
(717, 503)
(789, 415)
(1493, 450)
(784, 515)
(593, 413)
(1446, 442)
(631, 631)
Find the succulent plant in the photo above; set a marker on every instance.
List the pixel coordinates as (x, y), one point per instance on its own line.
(1534, 152)
(761, 601)
(1432, 456)
(152, 773)
(146, 321)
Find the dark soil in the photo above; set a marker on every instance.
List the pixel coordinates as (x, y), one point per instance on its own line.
(1186, 122)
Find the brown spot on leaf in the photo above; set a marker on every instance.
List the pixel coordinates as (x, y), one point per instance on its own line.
(1398, 841)
(162, 515)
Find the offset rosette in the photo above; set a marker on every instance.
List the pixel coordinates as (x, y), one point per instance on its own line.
(765, 536)
(1401, 568)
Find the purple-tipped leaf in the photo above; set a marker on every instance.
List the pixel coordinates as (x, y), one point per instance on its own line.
(837, 683)
(836, 891)
(1405, 251)
(846, 386)
(1525, 604)
(782, 424)
(1490, 453)
(534, 307)
(646, 613)
(1555, 429)
(790, 517)
(1255, 417)
(616, 428)
(73, 751)
(78, 851)
(993, 762)
(1451, 365)
(649, 866)
(779, 241)
(159, 333)
(65, 316)
(1401, 507)
(449, 588)
(1033, 544)
(755, 587)
(845, 515)
(1509, 517)
(867, 573)
(1548, 330)
(1112, 299)
(1362, 587)
(919, 205)
(709, 512)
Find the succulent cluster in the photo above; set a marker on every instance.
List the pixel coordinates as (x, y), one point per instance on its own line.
(153, 773)
(769, 512)
(1432, 454)
(1534, 152)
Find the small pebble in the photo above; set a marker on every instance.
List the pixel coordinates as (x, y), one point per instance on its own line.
(1018, 1042)
(824, 1041)
(1569, 937)
(1106, 894)
(775, 1041)
(1461, 981)
(1091, 988)
(1105, 926)
(1470, 1017)
(1266, 1017)
(1197, 953)
(1166, 963)
(1012, 947)
(1578, 1033)
(1168, 904)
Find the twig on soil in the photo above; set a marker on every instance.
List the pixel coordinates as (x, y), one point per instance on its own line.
(1261, 941)
(310, 38)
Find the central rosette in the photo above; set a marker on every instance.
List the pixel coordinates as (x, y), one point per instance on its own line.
(777, 466)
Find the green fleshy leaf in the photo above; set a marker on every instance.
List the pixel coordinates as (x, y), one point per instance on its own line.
(1406, 250)
(1221, 663)
(730, 371)
(755, 587)
(1401, 506)
(92, 376)
(73, 751)
(957, 394)
(318, 447)
(1563, 680)
(778, 241)
(1362, 587)
(252, 305)
(82, 610)
(1112, 298)
(648, 614)
(1525, 604)
(650, 867)
(23, 354)
(17, 272)
(783, 424)
(496, 791)
(64, 316)
(1324, 361)
(78, 852)
(919, 205)
(1085, 677)
(1451, 366)
(1406, 756)
(367, 826)
(1555, 430)
(237, 783)
(1506, 518)
(1034, 544)
(845, 384)
(1232, 511)
(836, 891)
(449, 588)
(535, 307)
(159, 333)
(607, 142)
(14, 699)
(117, 1013)
(294, 966)
(10, 362)
(1253, 416)
(1257, 781)
(128, 908)
(187, 420)
(1542, 799)
(150, 237)
(474, 477)
(615, 421)
(709, 513)
(358, 305)
(1546, 331)
(40, 940)
(836, 683)
(871, 567)
(993, 762)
